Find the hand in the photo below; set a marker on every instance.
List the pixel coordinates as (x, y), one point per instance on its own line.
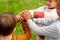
(27, 15)
(19, 16)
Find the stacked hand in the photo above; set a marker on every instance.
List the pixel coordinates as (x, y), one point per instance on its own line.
(24, 15)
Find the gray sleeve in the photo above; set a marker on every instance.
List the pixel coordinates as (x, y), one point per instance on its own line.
(49, 31)
(45, 21)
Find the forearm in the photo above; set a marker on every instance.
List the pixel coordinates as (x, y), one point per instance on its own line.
(42, 17)
(46, 21)
(36, 14)
(26, 29)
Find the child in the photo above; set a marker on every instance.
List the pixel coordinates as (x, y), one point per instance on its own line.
(48, 11)
(8, 26)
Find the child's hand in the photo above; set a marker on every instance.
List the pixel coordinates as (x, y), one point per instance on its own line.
(27, 15)
(19, 16)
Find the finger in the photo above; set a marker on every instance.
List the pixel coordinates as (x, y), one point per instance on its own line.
(21, 19)
(23, 15)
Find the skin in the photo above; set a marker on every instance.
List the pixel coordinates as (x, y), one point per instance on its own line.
(51, 4)
(26, 15)
(22, 15)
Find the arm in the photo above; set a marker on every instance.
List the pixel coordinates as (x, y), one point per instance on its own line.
(45, 21)
(42, 16)
(27, 32)
(43, 12)
(37, 13)
(49, 31)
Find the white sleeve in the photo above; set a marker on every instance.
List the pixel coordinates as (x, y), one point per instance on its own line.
(45, 21)
(38, 9)
(49, 31)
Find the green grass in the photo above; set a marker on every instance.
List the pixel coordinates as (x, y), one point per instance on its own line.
(15, 6)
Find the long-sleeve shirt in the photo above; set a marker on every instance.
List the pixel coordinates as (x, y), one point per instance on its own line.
(51, 32)
(41, 14)
(26, 35)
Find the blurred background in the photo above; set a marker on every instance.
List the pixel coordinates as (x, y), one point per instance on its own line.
(15, 6)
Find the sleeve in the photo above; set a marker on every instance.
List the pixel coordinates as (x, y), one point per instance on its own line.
(43, 14)
(49, 31)
(38, 13)
(27, 32)
(46, 21)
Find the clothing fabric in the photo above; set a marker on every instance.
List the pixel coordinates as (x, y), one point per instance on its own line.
(43, 13)
(26, 35)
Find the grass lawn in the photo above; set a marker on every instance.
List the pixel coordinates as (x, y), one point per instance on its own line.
(15, 6)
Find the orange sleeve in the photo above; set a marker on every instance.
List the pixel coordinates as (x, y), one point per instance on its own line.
(26, 35)
(19, 37)
(27, 32)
